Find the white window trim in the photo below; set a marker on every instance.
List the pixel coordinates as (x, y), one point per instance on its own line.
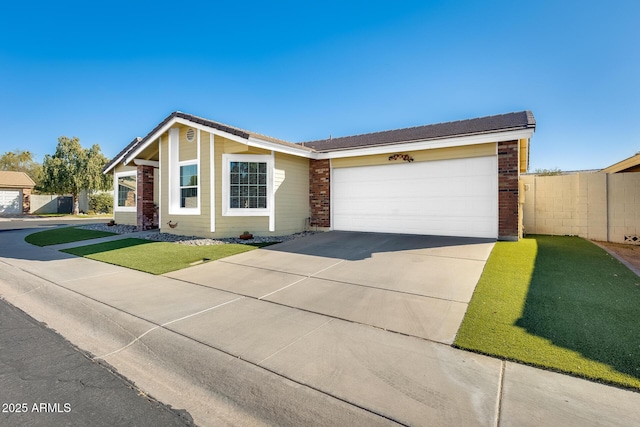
(116, 176)
(174, 174)
(226, 161)
(212, 179)
(197, 187)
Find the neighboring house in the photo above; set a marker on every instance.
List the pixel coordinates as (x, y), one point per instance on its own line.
(630, 164)
(454, 179)
(15, 193)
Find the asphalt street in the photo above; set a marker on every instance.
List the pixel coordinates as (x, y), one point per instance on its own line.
(46, 381)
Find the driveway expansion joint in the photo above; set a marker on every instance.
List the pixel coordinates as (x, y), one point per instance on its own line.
(300, 280)
(163, 325)
(503, 365)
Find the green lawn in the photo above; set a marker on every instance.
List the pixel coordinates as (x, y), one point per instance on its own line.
(561, 303)
(63, 235)
(156, 257)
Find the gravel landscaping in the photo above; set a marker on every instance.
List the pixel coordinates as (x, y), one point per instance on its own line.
(191, 240)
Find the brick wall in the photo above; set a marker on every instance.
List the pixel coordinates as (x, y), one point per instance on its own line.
(26, 201)
(145, 208)
(508, 200)
(319, 193)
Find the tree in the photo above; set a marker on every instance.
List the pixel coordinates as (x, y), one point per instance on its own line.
(21, 161)
(548, 172)
(73, 169)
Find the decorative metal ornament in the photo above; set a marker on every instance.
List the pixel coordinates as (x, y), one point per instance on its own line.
(397, 156)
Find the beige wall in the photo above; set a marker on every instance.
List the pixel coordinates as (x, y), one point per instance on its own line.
(291, 181)
(477, 150)
(596, 206)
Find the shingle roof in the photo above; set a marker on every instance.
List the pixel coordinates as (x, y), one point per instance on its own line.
(10, 179)
(482, 125)
(137, 142)
(489, 124)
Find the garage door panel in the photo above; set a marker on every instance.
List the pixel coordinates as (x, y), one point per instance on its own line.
(449, 197)
(10, 201)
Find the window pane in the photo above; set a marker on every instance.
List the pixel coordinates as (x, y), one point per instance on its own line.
(248, 185)
(127, 191)
(188, 175)
(189, 198)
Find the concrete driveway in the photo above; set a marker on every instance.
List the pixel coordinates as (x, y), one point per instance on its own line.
(415, 285)
(284, 336)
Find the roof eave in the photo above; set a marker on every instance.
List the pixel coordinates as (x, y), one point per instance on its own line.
(431, 143)
(627, 163)
(174, 119)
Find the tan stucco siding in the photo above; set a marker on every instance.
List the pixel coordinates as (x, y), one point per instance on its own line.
(125, 218)
(477, 150)
(291, 181)
(188, 150)
(233, 226)
(291, 193)
(188, 224)
(524, 155)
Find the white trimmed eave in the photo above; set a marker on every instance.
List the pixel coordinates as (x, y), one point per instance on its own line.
(143, 162)
(428, 144)
(178, 120)
(350, 152)
(273, 146)
(252, 141)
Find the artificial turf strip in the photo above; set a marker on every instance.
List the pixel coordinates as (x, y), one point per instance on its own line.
(64, 235)
(560, 303)
(155, 257)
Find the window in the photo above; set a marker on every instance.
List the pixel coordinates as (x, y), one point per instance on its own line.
(248, 185)
(126, 185)
(189, 186)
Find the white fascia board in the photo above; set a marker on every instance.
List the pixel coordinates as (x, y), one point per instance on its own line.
(273, 146)
(142, 162)
(428, 144)
(170, 124)
(152, 138)
(214, 131)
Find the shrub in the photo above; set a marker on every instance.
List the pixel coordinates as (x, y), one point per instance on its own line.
(101, 203)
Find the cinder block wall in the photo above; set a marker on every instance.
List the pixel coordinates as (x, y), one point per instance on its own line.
(596, 206)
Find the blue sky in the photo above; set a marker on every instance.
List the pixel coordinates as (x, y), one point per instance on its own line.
(107, 72)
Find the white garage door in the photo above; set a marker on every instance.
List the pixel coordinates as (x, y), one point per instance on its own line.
(10, 201)
(447, 197)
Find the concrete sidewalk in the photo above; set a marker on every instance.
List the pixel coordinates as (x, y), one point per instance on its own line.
(236, 360)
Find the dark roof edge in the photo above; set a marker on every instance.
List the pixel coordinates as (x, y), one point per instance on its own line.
(531, 123)
(201, 121)
(516, 121)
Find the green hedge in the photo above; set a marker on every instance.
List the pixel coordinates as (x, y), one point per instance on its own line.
(101, 203)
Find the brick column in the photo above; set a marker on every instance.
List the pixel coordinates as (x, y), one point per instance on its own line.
(508, 203)
(319, 193)
(26, 201)
(144, 198)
